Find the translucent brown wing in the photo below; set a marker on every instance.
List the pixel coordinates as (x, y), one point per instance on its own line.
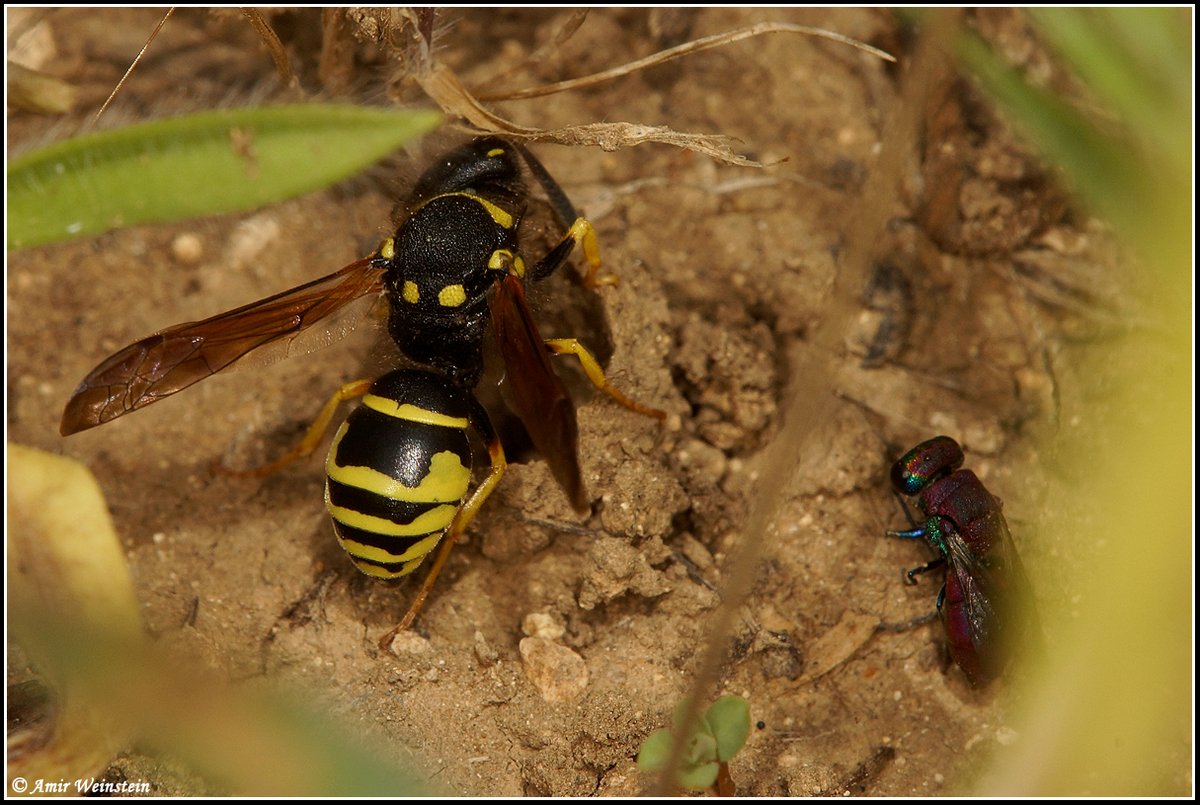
(175, 358)
(540, 399)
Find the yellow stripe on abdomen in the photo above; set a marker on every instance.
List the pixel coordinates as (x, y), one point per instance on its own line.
(446, 482)
(433, 520)
(376, 554)
(412, 413)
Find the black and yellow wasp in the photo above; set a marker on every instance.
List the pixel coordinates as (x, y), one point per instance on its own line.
(400, 467)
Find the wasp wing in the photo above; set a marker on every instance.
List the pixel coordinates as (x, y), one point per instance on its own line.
(539, 397)
(173, 359)
(996, 595)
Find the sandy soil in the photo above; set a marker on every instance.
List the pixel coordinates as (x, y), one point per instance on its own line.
(973, 325)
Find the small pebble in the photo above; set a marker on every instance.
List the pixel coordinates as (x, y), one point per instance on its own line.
(559, 674)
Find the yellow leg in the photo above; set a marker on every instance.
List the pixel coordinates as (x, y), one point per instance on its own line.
(312, 437)
(457, 527)
(583, 233)
(564, 346)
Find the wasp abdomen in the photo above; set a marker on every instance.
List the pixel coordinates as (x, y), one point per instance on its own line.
(398, 471)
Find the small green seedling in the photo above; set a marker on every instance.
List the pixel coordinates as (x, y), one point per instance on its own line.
(719, 735)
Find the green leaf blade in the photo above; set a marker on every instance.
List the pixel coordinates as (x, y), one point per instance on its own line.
(202, 164)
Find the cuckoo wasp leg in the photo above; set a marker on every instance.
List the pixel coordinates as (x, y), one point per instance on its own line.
(920, 532)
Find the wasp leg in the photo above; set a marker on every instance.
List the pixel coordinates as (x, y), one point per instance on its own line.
(916, 533)
(580, 229)
(905, 626)
(916, 571)
(907, 516)
(583, 233)
(461, 520)
(312, 437)
(562, 205)
(565, 346)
